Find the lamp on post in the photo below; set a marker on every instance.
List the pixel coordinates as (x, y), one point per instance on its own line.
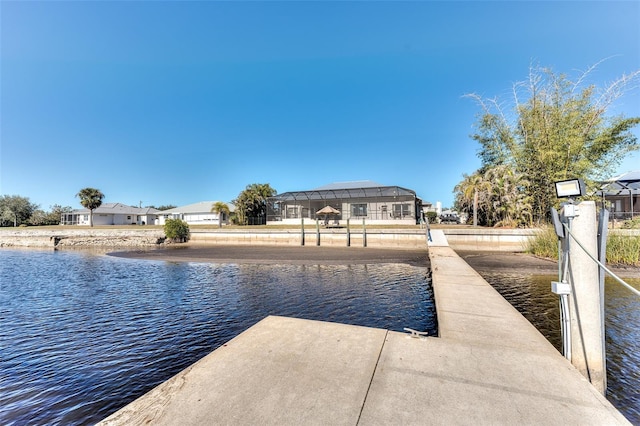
(570, 188)
(580, 286)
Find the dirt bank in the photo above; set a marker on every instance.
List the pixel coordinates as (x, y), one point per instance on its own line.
(280, 254)
(526, 264)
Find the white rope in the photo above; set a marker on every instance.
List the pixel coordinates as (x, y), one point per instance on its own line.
(637, 292)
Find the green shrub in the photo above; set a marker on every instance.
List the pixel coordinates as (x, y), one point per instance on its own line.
(544, 244)
(176, 230)
(623, 249)
(432, 217)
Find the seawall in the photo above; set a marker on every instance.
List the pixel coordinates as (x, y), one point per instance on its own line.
(511, 240)
(459, 238)
(53, 238)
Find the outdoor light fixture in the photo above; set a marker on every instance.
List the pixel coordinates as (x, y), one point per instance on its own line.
(570, 188)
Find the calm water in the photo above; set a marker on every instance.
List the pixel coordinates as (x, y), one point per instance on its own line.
(82, 335)
(532, 296)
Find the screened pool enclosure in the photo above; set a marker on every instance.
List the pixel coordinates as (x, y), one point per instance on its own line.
(366, 200)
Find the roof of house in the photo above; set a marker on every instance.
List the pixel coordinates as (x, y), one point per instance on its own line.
(201, 207)
(626, 177)
(354, 184)
(622, 184)
(119, 208)
(348, 190)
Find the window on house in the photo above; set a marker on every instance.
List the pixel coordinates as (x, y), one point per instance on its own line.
(401, 210)
(292, 212)
(358, 210)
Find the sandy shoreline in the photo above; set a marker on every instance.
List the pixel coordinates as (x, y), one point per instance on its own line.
(314, 255)
(526, 263)
(279, 254)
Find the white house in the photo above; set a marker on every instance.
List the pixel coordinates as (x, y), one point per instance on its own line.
(111, 214)
(196, 214)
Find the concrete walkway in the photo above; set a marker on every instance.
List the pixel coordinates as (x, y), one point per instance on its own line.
(489, 366)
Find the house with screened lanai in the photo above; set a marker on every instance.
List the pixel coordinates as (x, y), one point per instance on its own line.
(355, 200)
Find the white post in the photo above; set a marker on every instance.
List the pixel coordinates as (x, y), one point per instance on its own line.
(587, 316)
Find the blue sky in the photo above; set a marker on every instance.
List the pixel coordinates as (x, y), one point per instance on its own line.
(180, 102)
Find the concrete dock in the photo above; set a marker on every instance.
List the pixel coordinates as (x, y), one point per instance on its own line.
(489, 365)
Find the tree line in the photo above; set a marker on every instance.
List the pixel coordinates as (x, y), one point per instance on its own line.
(250, 207)
(16, 210)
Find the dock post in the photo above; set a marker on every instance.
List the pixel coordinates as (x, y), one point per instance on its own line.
(348, 234)
(317, 232)
(587, 316)
(302, 231)
(364, 234)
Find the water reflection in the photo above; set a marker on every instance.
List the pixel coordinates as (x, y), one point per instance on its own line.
(531, 295)
(81, 335)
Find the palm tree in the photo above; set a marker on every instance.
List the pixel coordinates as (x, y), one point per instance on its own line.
(91, 199)
(473, 194)
(252, 202)
(221, 209)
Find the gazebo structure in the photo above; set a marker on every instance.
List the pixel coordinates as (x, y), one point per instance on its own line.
(375, 203)
(623, 192)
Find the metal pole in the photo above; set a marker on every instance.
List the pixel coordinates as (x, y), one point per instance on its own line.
(565, 316)
(428, 229)
(603, 231)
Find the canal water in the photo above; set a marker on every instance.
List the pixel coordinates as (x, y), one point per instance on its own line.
(531, 295)
(83, 334)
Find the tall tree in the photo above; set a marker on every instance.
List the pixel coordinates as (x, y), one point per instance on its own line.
(510, 204)
(251, 204)
(472, 195)
(558, 129)
(52, 217)
(91, 199)
(15, 209)
(221, 209)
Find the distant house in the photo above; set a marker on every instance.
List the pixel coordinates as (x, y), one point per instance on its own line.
(427, 206)
(357, 200)
(111, 214)
(623, 195)
(195, 214)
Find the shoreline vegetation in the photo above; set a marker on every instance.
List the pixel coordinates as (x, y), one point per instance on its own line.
(622, 250)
